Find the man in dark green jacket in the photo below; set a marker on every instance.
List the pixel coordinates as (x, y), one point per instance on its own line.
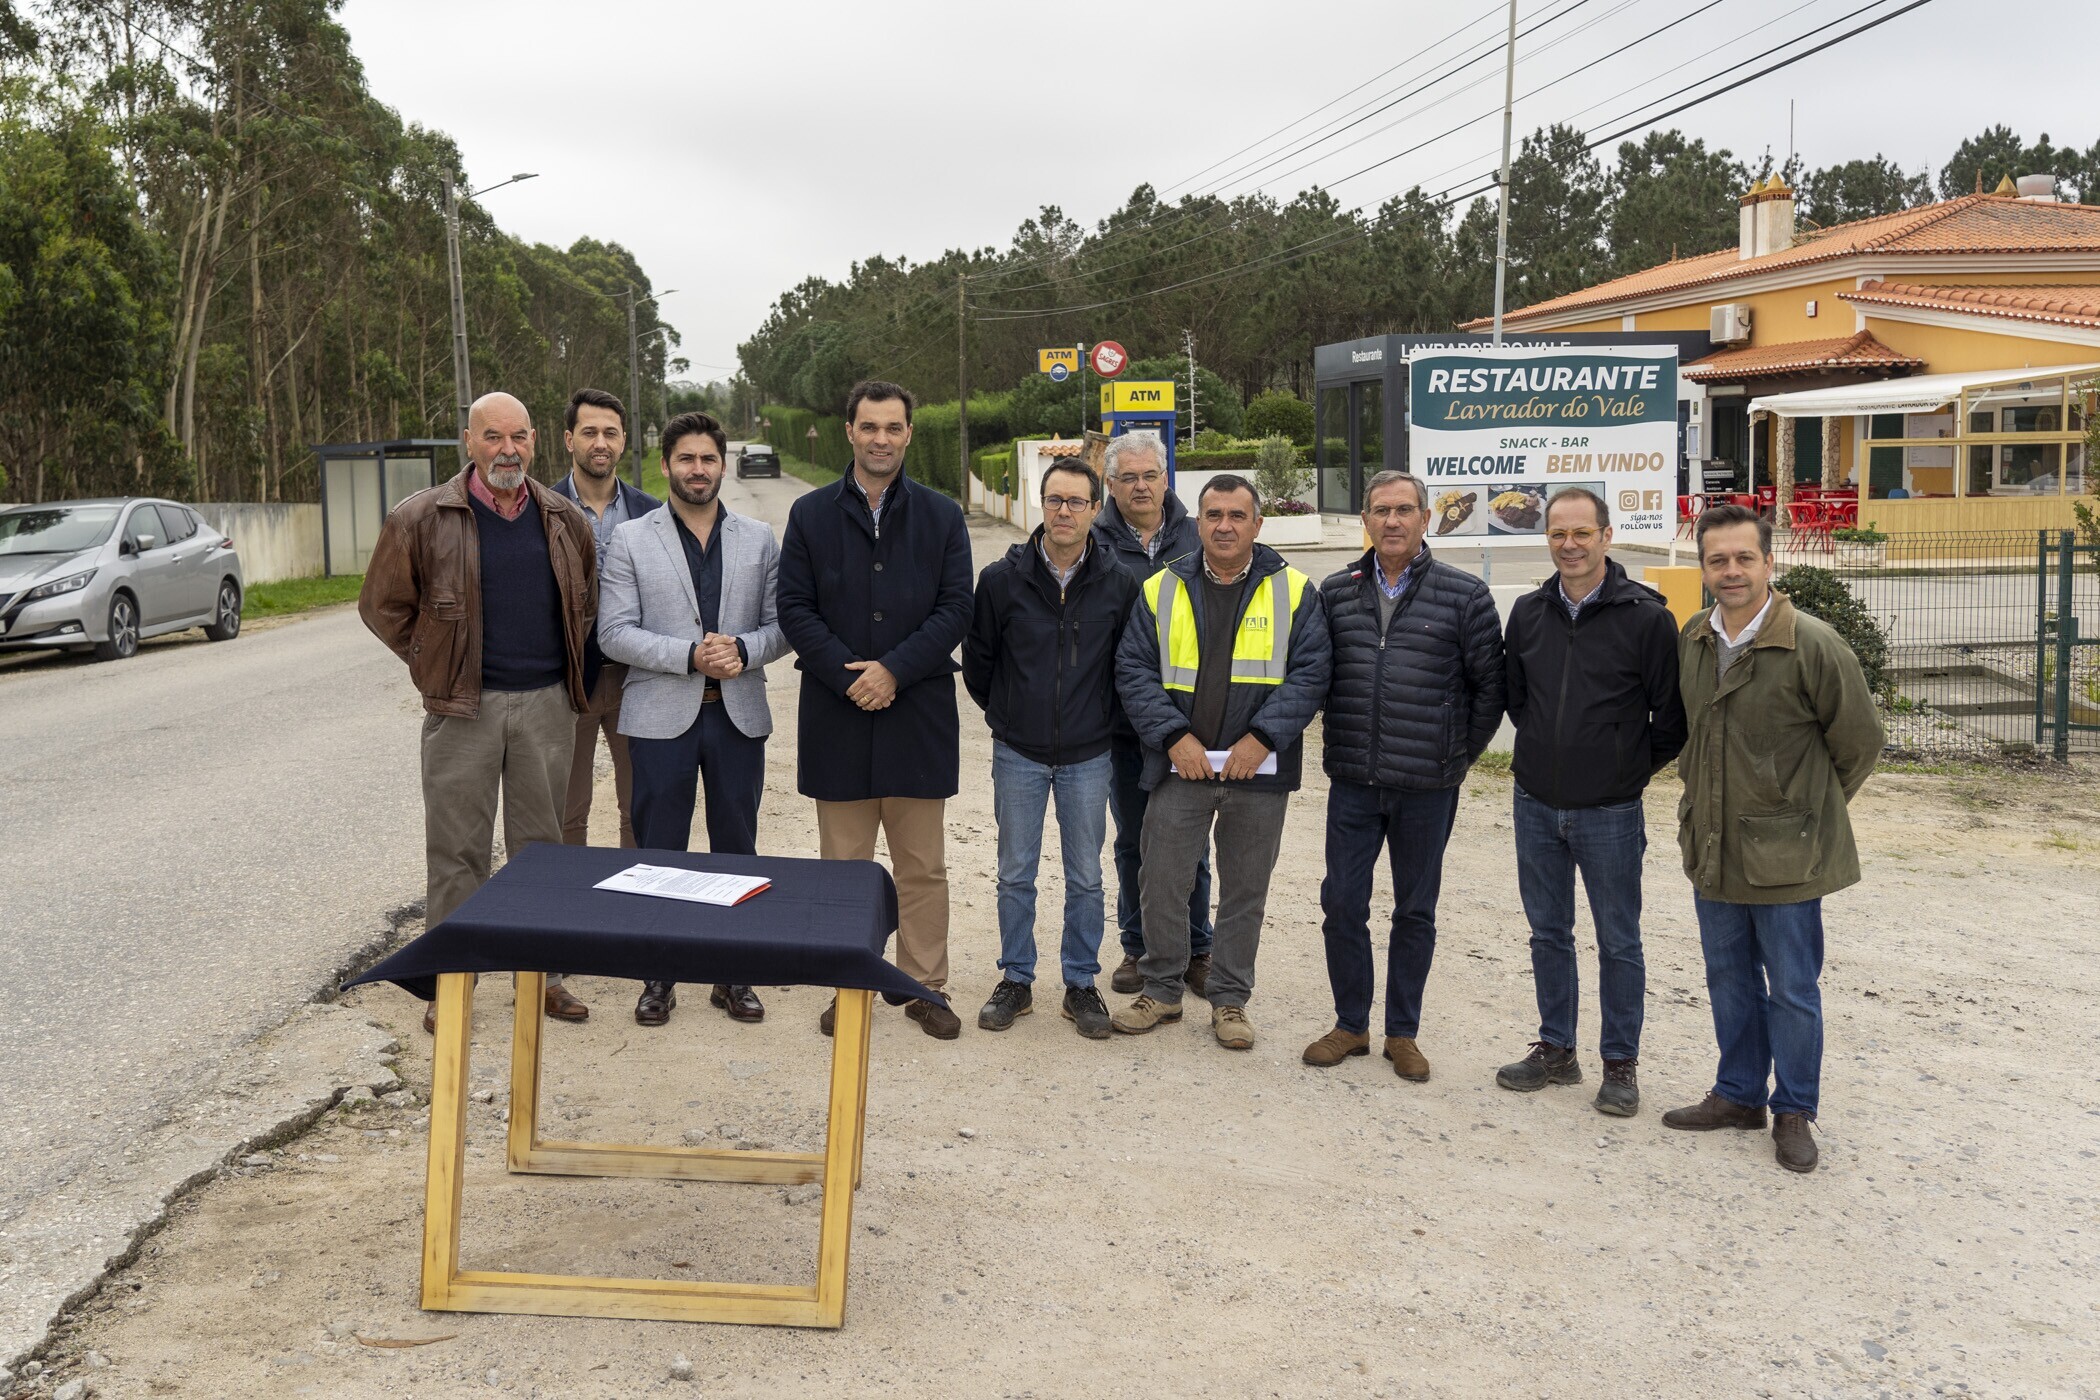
(1783, 733)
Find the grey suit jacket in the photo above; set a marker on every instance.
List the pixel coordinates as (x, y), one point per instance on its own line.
(649, 618)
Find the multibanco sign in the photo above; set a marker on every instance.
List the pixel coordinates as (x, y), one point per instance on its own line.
(1497, 433)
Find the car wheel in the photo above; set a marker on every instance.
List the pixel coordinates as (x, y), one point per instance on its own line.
(123, 630)
(226, 620)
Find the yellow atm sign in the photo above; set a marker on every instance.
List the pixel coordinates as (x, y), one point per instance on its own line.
(1138, 396)
(1050, 361)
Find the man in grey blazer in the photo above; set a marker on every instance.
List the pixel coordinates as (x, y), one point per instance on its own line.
(687, 603)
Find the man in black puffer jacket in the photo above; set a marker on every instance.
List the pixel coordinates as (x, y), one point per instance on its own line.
(1593, 692)
(1040, 658)
(1416, 696)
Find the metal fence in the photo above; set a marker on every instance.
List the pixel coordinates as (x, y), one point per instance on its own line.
(1994, 639)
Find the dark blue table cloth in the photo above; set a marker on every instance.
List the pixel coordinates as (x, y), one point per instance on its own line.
(823, 923)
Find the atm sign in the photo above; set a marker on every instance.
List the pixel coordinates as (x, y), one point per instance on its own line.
(1058, 362)
(1138, 396)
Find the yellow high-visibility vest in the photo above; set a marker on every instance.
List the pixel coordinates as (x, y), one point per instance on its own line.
(1260, 649)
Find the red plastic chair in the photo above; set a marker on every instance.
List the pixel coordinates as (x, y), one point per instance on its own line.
(1843, 511)
(1767, 498)
(1810, 522)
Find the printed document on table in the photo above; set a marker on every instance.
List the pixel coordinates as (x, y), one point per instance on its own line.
(693, 886)
(1217, 759)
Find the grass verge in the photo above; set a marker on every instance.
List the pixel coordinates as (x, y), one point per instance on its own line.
(297, 595)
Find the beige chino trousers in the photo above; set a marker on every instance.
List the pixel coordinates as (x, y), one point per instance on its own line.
(517, 749)
(918, 840)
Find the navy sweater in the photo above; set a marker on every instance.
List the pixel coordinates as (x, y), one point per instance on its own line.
(521, 631)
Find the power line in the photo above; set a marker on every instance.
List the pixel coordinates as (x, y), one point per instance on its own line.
(1314, 246)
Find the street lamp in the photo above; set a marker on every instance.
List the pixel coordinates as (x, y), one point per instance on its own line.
(462, 370)
(634, 375)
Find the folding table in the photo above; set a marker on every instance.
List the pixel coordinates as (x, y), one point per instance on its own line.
(823, 923)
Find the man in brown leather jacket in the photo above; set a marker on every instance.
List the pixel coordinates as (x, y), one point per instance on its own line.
(487, 587)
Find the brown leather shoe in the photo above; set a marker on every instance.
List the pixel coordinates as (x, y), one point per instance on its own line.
(741, 1003)
(1126, 978)
(830, 1017)
(1712, 1112)
(430, 1018)
(1336, 1046)
(1197, 976)
(1408, 1062)
(654, 1006)
(1793, 1145)
(564, 1007)
(935, 1019)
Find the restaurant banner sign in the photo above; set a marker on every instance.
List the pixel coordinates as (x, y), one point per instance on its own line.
(1498, 431)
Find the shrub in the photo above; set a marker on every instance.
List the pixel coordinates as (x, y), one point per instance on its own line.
(1822, 594)
(1278, 412)
(1280, 473)
(1211, 440)
(1859, 534)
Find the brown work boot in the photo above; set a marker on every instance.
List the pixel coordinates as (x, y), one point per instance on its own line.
(1232, 1028)
(563, 1006)
(934, 1019)
(1408, 1062)
(1143, 1014)
(1712, 1112)
(1197, 976)
(1126, 978)
(1793, 1145)
(430, 1017)
(1335, 1046)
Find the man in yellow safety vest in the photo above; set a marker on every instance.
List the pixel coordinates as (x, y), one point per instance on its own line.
(1223, 665)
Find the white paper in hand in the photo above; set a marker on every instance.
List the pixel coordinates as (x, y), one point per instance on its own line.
(1217, 759)
(693, 886)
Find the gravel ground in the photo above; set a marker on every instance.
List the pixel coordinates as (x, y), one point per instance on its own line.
(1047, 1216)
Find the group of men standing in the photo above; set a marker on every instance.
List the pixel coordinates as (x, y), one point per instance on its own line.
(1138, 660)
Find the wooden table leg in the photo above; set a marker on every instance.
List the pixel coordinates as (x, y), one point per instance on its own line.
(448, 1136)
(849, 1079)
(530, 989)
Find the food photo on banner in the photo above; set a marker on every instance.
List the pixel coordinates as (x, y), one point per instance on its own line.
(1498, 431)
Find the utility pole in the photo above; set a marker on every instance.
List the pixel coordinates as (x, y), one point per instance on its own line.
(962, 380)
(634, 393)
(462, 371)
(1188, 343)
(1509, 97)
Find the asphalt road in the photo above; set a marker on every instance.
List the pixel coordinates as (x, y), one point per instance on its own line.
(196, 839)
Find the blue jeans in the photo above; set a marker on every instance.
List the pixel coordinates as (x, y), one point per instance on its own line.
(1127, 799)
(1413, 827)
(1021, 790)
(1606, 844)
(1762, 962)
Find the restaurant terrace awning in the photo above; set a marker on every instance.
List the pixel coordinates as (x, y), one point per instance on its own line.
(1925, 393)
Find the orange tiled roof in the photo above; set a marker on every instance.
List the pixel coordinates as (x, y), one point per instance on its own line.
(1848, 352)
(1062, 449)
(1976, 223)
(2061, 305)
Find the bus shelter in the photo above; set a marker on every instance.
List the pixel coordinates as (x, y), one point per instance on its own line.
(362, 481)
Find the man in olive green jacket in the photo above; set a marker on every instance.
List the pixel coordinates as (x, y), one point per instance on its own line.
(1783, 733)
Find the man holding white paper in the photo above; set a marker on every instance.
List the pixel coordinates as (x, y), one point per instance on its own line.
(1223, 664)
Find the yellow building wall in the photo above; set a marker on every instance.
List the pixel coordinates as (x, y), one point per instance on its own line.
(1915, 517)
(1946, 350)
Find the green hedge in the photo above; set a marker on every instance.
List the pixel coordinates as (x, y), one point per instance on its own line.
(935, 456)
(1240, 460)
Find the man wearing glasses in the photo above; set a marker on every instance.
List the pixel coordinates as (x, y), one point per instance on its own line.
(1143, 526)
(1591, 662)
(1040, 661)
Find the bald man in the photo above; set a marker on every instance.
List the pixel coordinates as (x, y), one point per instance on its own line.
(487, 586)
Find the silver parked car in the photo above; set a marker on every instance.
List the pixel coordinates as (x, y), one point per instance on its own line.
(106, 574)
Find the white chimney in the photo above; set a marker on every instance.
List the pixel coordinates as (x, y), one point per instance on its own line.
(1765, 219)
(2036, 189)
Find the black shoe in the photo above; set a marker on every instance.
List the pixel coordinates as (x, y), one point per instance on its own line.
(655, 1005)
(1126, 978)
(1620, 1093)
(1009, 1000)
(1546, 1064)
(1713, 1112)
(1792, 1144)
(1197, 976)
(1087, 1012)
(741, 1003)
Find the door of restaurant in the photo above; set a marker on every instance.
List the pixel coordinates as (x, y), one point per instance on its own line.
(1885, 464)
(1350, 430)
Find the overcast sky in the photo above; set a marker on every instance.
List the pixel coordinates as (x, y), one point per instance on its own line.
(739, 148)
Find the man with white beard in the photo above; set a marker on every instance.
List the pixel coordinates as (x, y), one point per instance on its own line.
(487, 586)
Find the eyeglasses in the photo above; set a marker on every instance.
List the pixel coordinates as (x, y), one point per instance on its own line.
(1058, 504)
(1586, 535)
